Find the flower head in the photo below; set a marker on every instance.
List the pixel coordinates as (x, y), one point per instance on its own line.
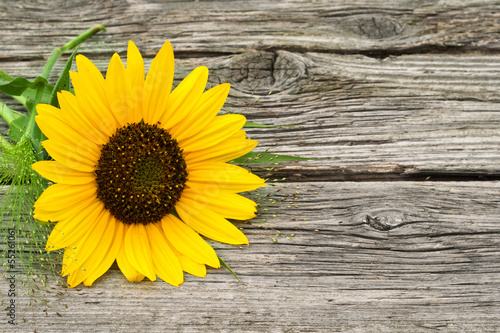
(141, 171)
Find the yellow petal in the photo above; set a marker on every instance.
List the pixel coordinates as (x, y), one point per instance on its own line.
(60, 196)
(92, 105)
(138, 250)
(70, 232)
(91, 94)
(135, 73)
(184, 97)
(118, 90)
(208, 223)
(91, 250)
(109, 256)
(224, 151)
(81, 156)
(158, 84)
(186, 241)
(228, 205)
(91, 75)
(202, 113)
(71, 114)
(218, 176)
(191, 267)
(57, 213)
(221, 128)
(88, 243)
(127, 269)
(166, 264)
(58, 173)
(56, 129)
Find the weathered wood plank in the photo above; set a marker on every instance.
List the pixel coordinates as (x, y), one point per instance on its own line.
(376, 28)
(371, 257)
(414, 114)
(379, 90)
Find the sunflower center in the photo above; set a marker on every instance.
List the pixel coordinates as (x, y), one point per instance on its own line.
(141, 174)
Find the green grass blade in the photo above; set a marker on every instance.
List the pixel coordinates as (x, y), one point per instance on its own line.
(256, 157)
(228, 268)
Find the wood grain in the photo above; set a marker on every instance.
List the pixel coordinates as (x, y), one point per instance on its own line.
(377, 28)
(415, 114)
(430, 262)
(395, 225)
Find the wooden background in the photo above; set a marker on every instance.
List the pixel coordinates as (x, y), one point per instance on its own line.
(396, 228)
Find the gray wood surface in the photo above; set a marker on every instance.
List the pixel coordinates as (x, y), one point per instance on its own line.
(396, 228)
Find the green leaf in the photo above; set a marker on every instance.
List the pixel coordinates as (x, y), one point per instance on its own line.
(18, 127)
(63, 81)
(5, 78)
(15, 87)
(250, 124)
(255, 157)
(25, 88)
(229, 269)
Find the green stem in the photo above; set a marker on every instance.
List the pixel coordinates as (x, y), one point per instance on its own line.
(58, 51)
(7, 114)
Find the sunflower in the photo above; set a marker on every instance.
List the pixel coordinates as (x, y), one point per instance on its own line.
(140, 172)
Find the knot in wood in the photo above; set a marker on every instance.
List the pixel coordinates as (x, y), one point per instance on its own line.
(383, 223)
(378, 223)
(373, 27)
(260, 73)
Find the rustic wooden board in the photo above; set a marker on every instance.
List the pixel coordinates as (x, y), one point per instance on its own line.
(366, 257)
(377, 28)
(386, 93)
(414, 114)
